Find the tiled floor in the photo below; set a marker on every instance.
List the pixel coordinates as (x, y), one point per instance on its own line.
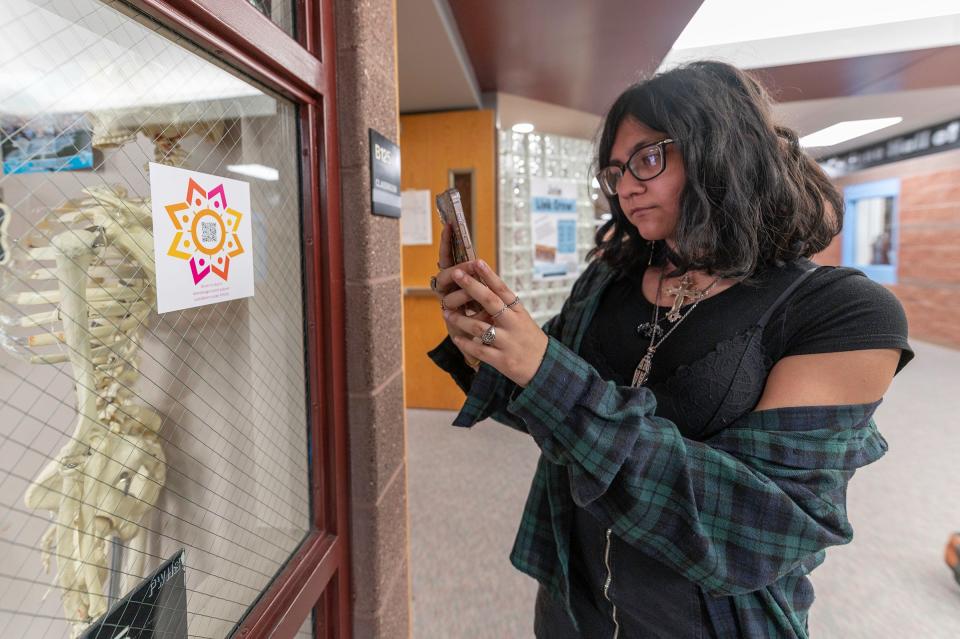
(467, 489)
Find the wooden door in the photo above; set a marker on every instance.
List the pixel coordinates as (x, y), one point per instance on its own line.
(440, 150)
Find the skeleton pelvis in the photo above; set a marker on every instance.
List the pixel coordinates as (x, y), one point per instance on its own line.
(120, 477)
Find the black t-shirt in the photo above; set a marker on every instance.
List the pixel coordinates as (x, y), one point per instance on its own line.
(712, 368)
(709, 372)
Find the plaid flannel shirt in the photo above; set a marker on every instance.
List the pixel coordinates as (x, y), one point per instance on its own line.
(745, 514)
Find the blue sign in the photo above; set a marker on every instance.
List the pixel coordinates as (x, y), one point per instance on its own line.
(566, 236)
(543, 204)
(45, 143)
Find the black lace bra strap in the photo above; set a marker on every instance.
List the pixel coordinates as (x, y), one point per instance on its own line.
(783, 296)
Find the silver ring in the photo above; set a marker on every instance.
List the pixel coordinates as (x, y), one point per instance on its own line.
(500, 312)
(515, 301)
(433, 283)
(488, 336)
(443, 306)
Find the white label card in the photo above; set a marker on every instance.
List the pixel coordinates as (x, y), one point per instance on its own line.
(202, 238)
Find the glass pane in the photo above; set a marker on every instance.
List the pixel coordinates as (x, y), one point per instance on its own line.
(195, 432)
(306, 630)
(874, 229)
(281, 12)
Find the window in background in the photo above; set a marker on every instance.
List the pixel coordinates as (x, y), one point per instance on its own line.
(870, 233)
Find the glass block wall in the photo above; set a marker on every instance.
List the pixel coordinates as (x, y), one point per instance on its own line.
(526, 155)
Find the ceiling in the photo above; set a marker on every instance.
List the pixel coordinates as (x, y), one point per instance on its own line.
(561, 63)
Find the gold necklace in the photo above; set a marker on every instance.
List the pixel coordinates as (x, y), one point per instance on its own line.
(642, 372)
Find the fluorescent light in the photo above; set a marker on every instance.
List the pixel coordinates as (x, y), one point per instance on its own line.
(258, 171)
(522, 127)
(843, 131)
(727, 21)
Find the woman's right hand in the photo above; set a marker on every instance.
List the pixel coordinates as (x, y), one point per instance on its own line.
(446, 289)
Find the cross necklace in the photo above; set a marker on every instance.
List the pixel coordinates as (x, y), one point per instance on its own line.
(684, 291)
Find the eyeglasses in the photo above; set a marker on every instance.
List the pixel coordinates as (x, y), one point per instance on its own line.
(644, 164)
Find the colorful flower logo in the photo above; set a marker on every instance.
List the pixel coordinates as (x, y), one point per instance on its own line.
(207, 231)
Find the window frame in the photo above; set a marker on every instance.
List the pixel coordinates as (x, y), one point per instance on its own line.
(317, 575)
(881, 273)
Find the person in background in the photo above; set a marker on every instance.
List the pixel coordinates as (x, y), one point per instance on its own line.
(707, 391)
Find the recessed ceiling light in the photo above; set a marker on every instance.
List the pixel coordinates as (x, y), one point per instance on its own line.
(255, 170)
(843, 131)
(522, 127)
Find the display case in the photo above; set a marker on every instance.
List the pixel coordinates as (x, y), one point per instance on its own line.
(130, 434)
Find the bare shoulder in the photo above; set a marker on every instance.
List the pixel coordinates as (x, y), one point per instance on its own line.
(847, 377)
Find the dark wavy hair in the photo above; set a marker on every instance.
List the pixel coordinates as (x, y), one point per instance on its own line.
(752, 199)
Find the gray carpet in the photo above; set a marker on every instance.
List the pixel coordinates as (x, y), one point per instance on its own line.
(467, 489)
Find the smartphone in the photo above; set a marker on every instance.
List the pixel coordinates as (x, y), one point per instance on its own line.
(451, 212)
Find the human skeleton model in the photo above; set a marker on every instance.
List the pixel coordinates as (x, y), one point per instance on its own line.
(114, 128)
(94, 275)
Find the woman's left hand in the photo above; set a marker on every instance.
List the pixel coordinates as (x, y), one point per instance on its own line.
(518, 344)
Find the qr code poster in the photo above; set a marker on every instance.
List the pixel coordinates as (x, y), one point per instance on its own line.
(202, 238)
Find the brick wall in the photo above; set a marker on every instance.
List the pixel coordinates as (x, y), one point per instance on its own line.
(929, 269)
(929, 253)
(367, 98)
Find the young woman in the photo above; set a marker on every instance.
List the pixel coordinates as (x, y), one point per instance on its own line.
(706, 392)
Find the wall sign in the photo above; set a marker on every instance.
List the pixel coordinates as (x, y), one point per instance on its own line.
(935, 139)
(202, 238)
(156, 609)
(553, 219)
(384, 176)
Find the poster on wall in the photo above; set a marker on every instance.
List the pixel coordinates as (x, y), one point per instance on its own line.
(416, 221)
(155, 609)
(553, 219)
(46, 143)
(202, 238)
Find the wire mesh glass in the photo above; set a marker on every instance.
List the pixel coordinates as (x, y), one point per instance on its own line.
(121, 428)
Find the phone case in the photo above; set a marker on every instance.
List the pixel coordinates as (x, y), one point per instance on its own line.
(451, 212)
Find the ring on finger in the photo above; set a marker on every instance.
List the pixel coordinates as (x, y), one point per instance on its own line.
(433, 283)
(489, 336)
(500, 312)
(443, 306)
(515, 301)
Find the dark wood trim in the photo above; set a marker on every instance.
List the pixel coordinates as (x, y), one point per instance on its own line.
(318, 574)
(296, 590)
(233, 31)
(308, 26)
(862, 75)
(335, 320)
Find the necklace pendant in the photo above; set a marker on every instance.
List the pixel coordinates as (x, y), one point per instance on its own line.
(642, 372)
(649, 330)
(674, 316)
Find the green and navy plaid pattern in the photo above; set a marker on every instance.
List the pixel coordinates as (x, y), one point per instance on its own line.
(745, 515)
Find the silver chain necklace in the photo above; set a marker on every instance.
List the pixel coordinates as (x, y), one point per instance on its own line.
(642, 372)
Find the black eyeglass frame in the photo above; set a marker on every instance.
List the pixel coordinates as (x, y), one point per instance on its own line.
(661, 145)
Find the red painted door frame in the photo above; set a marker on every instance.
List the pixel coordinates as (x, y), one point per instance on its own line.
(318, 574)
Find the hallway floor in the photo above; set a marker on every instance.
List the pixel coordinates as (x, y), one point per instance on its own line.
(467, 489)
